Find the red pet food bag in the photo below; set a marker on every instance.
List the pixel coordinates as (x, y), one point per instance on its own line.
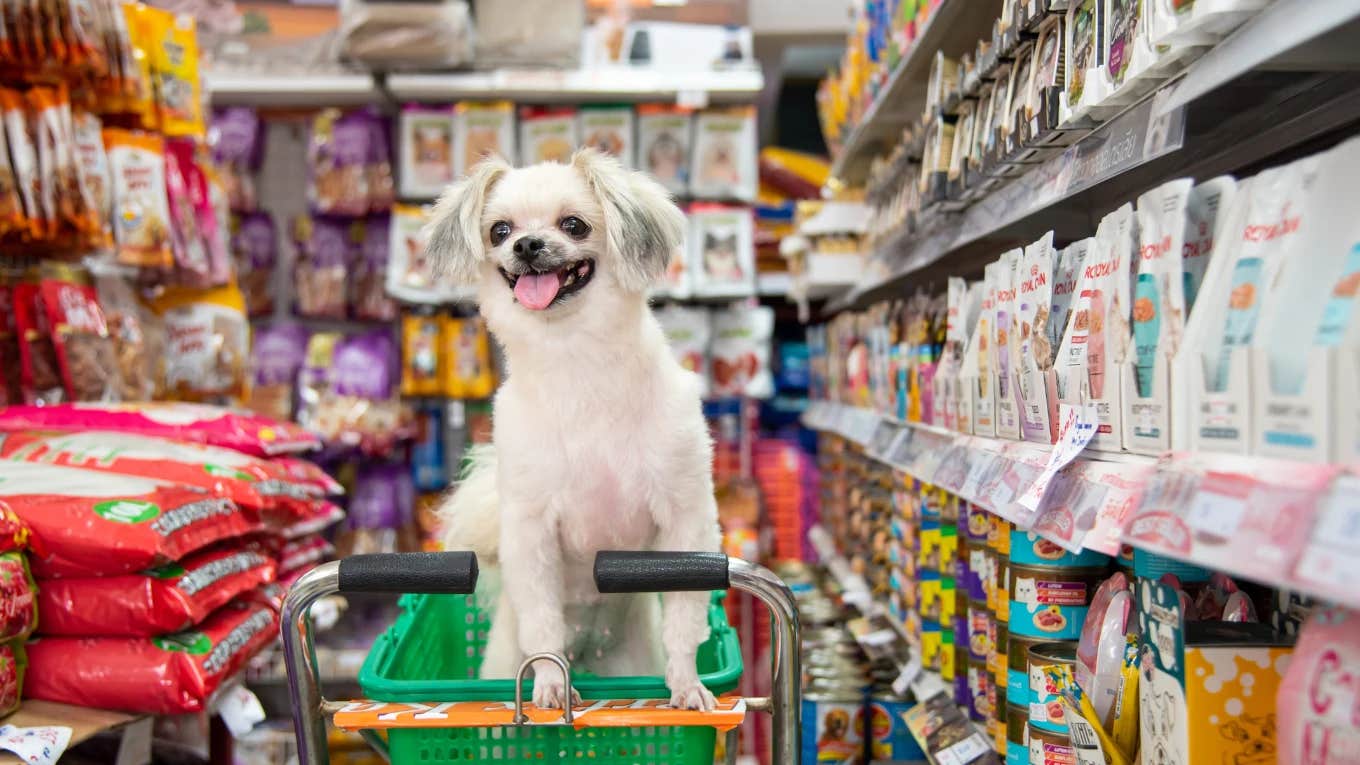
(88, 523)
(166, 599)
(199, 423)
(12, 665)
(172, 674)
(18, 605)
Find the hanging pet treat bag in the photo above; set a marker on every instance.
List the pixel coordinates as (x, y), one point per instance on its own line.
(482, 130)
(141, 216)
(369, 299)
(276, 357)
(547, 134)
(466, 350)
(46, 134)
(130, 331)
(92, 523)
(420, 355)
(338, 155)
(39, 370)
(93, 163)
(411, 276)
(11, 203)
(325, 248)
(382, 188)
(24, 156)
(722, 247)
(172, 674)
(186, 241)
(609, 129)
(314, 379)
(237, 139)
(741, 352)
(165, 599)
(426, 150)
(175, 64)
(255, 246)
(663, 144)
(688, 332)
(206, 358)
(723, 164)
(80, 336)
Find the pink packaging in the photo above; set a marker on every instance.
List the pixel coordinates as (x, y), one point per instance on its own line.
(1318, 699)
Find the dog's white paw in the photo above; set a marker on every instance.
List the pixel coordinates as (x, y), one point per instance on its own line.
(548, 692)
(693, 696)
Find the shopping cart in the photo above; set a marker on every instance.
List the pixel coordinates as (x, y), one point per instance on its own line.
(622, 720)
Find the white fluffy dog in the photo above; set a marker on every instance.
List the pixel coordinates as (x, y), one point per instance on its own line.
(599, 438)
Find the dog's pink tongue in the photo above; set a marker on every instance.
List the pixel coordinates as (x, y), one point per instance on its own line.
(536, 291)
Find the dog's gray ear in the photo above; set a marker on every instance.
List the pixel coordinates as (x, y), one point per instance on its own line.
(642, 224)
(454, 234)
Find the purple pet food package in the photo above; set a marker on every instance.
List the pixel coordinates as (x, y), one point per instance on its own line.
(255, 248)
(325, 247)
(382, 192)
(365, 366)
(369, 299)
(275, 360)
(237, 140)
(338, 156)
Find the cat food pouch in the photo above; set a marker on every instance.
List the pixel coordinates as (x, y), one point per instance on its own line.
(425, 146)
(208, 331)
(467, 370)
(1034, 300)
(421, 363)
(80, 335)
(1007, 342)
(368, 286)
(688, 331)
(723, 161)
(1158, 291)
(1202, 222)
(338, 155)
(276, 357)
(161, 600)
(171, 674)
(1066, 274)
(254, 244)
(141, 209)
(741, 352)
(482, 129)
(608, 128)
(325, 247)
(237, 139)
(1082, 48)
(1098, 335)
(663, 144)
(547, 134)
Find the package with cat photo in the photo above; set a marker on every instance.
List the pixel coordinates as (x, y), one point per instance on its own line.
(663, 133)
(1035, 377)
(723, 164)
(722, 250)
(425, 147)
(547, 134)
(482, 129)
(609, 128)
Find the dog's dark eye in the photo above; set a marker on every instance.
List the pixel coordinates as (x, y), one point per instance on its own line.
(574, 227)
(499, 231)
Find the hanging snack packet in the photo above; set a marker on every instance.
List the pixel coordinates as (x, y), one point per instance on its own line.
(420, 345)
(237, 140)
(723, 165)
(78, 197)
(131, 331)
(609, 129)
(196, 423)
(47, 217)
(174, 59)
(39, 370)
(314, 379)
(663, 144)
(24, 157)
(276, 357)
(338, 156)
(169, 598)
(369, 300)
(141, 217)
(139, 26)
(173, 674)
(186, 240)
(208, 335)
(214, 219)
(688, 331)
(482, 130)
(361, 408)
(547, 134)
(425, 144)
(10, 364)
(93, 164)
(324, 250)
(255, 247)
(466, 354)
(741, 352)
(80, 335)
(97, 524)
(11, 203)
(382, 188)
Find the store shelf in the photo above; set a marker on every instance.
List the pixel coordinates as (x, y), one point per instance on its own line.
(773, 284)
(954, 27)
(84, 723)
(1286, 524)
(575, 86)
(275, 89)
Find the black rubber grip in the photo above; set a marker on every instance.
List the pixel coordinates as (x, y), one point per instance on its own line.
(450, 573)
(660, 571)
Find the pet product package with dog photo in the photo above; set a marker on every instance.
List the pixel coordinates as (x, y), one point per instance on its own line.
(547, 134)
(608, 128)
(723, 165)
(722, 250)
(411, 275)
(663, 132)
(480, 130)
(425, 148)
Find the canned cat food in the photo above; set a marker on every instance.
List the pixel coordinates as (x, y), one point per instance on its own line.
(975, 521)
(833, 727)
(974, 568)
(979, 705)
(1050, 602)
(996, 731)
(992, 578)
(1051, 667)
(889, 737)
(1002, 611)
(1017, 735)
(1017, 667)
(980, 630)
(1030, 549)
(1153, 566)
(998, 534)
(996, 660)
(1049, 748)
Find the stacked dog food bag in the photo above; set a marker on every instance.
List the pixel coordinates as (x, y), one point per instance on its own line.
(157, 532)
(18, 607)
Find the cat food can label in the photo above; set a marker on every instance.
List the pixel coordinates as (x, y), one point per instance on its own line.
(833, 730)
(1030, 549)
(979, 694)
(889, 737)
(980, 631)
(1050, 673)
(1048, 748)
(1050, 603)
(1017, 735)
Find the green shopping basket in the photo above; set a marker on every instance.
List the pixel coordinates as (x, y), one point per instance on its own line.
(433, 651)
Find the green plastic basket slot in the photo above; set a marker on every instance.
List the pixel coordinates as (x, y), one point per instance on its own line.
(434, 650)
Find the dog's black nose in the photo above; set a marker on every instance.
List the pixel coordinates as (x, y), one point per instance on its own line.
(527, 248)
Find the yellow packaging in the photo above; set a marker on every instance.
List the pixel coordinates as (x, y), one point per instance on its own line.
(174, 64)
(466, 349)
(139, 90)
(422, 364)
(1124, 727)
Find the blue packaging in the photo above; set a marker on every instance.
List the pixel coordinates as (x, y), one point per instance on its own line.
(889, 738)
(1030, 549)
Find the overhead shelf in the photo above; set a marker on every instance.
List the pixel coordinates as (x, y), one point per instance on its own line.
(574, 86)
(955, 28)
(281, 90)
(1286, 524)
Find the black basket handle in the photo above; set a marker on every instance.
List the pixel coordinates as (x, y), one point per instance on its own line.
(445, 573)
(627, 571)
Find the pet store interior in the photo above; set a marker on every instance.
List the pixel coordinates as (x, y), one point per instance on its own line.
(680, 382)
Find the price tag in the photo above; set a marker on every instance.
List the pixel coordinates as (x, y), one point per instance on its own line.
(858, 598)
(964, 751)
(1216, 514)
(240, 710)
(1329, 568)
(1339, 522)
(978, 468)
(39, 746)
(877, 638)
(691, 98)
(907, 676)
(1076, 429)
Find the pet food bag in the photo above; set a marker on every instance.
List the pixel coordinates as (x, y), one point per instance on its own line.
(338, 156)
(10, 391)
(208, 341)
(18, 598)
(275, 359)
(465, 348)
(425, 148)
(237, 139)
(166, 599)
(421, 362)
(13, 665)
(482, 129)
(39, 370)
(172, 674)
(299, 555)
(141, 214)
(411, 276)
(608, 128)
(89, 523)
(254, 244)
(138, 337)
(80, 336)
(198, 423)
(663, 144)
(722, 250)
(688, 332)
(368, 298)
(723, 163)
(547, 134)
(741, 352)
(325, 248)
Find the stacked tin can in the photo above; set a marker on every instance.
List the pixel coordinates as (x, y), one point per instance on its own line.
(902, 553)
(937, 593)
(973, 565)
(1047, 591)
